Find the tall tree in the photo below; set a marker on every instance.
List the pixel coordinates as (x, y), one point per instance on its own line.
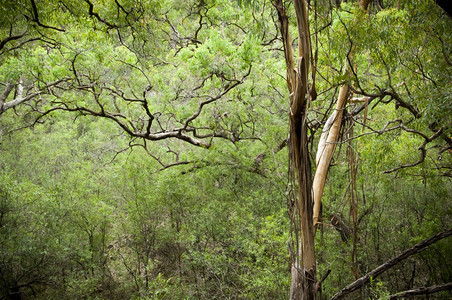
(305, 210)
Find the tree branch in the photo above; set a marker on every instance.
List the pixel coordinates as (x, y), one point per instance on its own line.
(391, 263)
(233, 84)
(9, 39)
(96, 15)
(423, 291)
(5, 94)
(36, 18)
(421, 148)
(20, 98)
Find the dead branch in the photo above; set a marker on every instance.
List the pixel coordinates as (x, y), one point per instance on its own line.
(423, 291)
(327, 144)
(391, 263)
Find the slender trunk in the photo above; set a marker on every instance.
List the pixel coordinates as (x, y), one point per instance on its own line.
(353, 197)
(305, 205)
(303, 284)
(304, 271)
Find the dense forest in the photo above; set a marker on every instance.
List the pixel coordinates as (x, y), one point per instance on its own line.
(207, 149)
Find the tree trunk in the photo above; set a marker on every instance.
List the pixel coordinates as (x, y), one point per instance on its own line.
(303, 284)
(303, 270)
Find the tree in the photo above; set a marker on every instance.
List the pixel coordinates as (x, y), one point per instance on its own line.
(307, 202)
(198, 86)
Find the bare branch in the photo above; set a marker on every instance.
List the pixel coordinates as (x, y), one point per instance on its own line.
(359, 100)
(391, 263)
(382, 94)
(164, 165)
(96, 15)
(400, 102)
(36, 18)
(9, 39)
(18, 101)
(5, 94)
(423, 291)
(373, 131)
(421, 148)
(229, 87)
(20, 98)
(177, 134)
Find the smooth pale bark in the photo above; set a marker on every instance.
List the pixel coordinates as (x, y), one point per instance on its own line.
(326, 150)
(360, 100)
(323, 138)
(19, 97)
(9, 87)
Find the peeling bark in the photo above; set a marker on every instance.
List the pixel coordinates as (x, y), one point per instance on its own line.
(327, 144)
(303, 284)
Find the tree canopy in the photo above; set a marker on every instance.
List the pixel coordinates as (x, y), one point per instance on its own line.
(149, 149)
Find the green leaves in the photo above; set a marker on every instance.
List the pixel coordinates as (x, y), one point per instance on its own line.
(96, 211)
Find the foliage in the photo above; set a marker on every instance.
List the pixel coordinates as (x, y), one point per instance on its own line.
(150, 162)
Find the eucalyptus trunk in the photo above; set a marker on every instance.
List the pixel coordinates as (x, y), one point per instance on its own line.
(303, 283)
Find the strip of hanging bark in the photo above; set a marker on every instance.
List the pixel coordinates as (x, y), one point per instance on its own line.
(391, 263)
(285, 35)
(303, 284)
(423, 291)
(326, 150)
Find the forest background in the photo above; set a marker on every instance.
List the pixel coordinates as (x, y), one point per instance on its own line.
(144, 147)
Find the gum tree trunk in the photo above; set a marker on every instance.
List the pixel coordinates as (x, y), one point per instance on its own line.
(303, 283)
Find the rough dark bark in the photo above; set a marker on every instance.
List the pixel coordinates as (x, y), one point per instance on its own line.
(303, 284)
(391, 263)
